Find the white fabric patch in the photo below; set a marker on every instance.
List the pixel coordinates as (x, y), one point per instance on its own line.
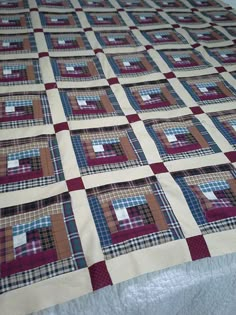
(145, 97)
(6, 71)
(171, 138)
(177, 59)
(142, 17)
(98, 148)
(100, 19)
(5, 44)
(13, 163)
(70, 68)
(224, 56)
(111, 39)
(203, 89)
(210, 195)
(199, 35)
(54, 20)
(181, 18)
(19, 240)
(158, 36)
(121, 214)
(5, 21)
(126, 63)
(9, 109)
(234, 126)
(81, 103)
(61, 42)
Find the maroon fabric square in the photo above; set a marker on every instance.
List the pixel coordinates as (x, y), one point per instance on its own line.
(75, 184)
(98, 50)
(198, 247)
(231, 156)
(50, 86)
(175, 25)
(61, 126)
(43, 54)
(133, 27)
(99, 275)
(87, 29)
(113, 81)
(148, 47)
(220, 69)
(196, 110)
(133, 118)
(158, 168)
(169, 75)
(38, 30)
(196, 45)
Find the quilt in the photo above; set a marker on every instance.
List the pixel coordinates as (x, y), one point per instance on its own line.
(118, 142)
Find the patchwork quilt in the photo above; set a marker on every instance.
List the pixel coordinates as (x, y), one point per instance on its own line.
(118, 142)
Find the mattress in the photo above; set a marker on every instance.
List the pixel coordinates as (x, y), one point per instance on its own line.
(118, 124)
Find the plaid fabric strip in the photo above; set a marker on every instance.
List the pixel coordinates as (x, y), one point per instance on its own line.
(40, 223)
(226, 56)
(28, 249)
(13, 4)
(186, 18)
(220, 16)
(38, 274)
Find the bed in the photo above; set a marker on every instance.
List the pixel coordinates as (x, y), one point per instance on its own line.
(118, 138)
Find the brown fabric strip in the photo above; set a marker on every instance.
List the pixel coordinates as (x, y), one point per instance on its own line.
(80, 42)
(30, 73)
(60, 236)
(116, 19)
(20, 4)
(9, 254)
(107, 104)
(46, 162)
(109, 218)
(139, 98)
(126, 146)
(197, 135)
(92, 69)
(3, 165)
(71, 20)
(146, 64)
(89, 149)
(169, 97)
(37, 108)
(156, 212)
(22, 21)
(129, 40)
(195, 58)
(232, 184)
(224, 89)
(26, 44)
(216, 35)
(207, 204)
(175, 37)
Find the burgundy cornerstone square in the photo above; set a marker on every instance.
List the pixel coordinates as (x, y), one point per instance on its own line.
(198, 247)
(75, 184)
(99, 275)
(158, 168)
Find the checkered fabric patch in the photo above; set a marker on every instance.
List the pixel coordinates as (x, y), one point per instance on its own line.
(108, 39)
(184, 60)
(133, 65)
(226, 56)
(68, 41)
(105, 19)
(12, 44)
(147, 18)
(89, 104)
(34, 236)
(153, 97)
(200, 4)
(20, 72)
(77, 69)
(206, 35)
(225, 122)
(15, 21)
(132, 215)
(220, 17)
(170, 4)
(231, 30)
(210, 194)
(95, 4)
(22, 110)
(107, 149)
(13, 4)
(187, 18)
(181, 138)
(164, 37)
(55, 20)
(54, 3)
(133, 4)
(29, 162)
(208, 90)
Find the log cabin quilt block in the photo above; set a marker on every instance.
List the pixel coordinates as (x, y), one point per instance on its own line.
(183, 138)
(23, 43)
(68, 41)
(29, 162)
(147, 18)
(95, 4)
(170, 4)
(107, 149)
(106, 19)
(124, 216)
(13, 4)
(164, 37)
(88, 104)
(226, 56)
(15, 21)
(56, 20)
(206, 35)
(187, 18)
(54, 4)
(108, 39)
